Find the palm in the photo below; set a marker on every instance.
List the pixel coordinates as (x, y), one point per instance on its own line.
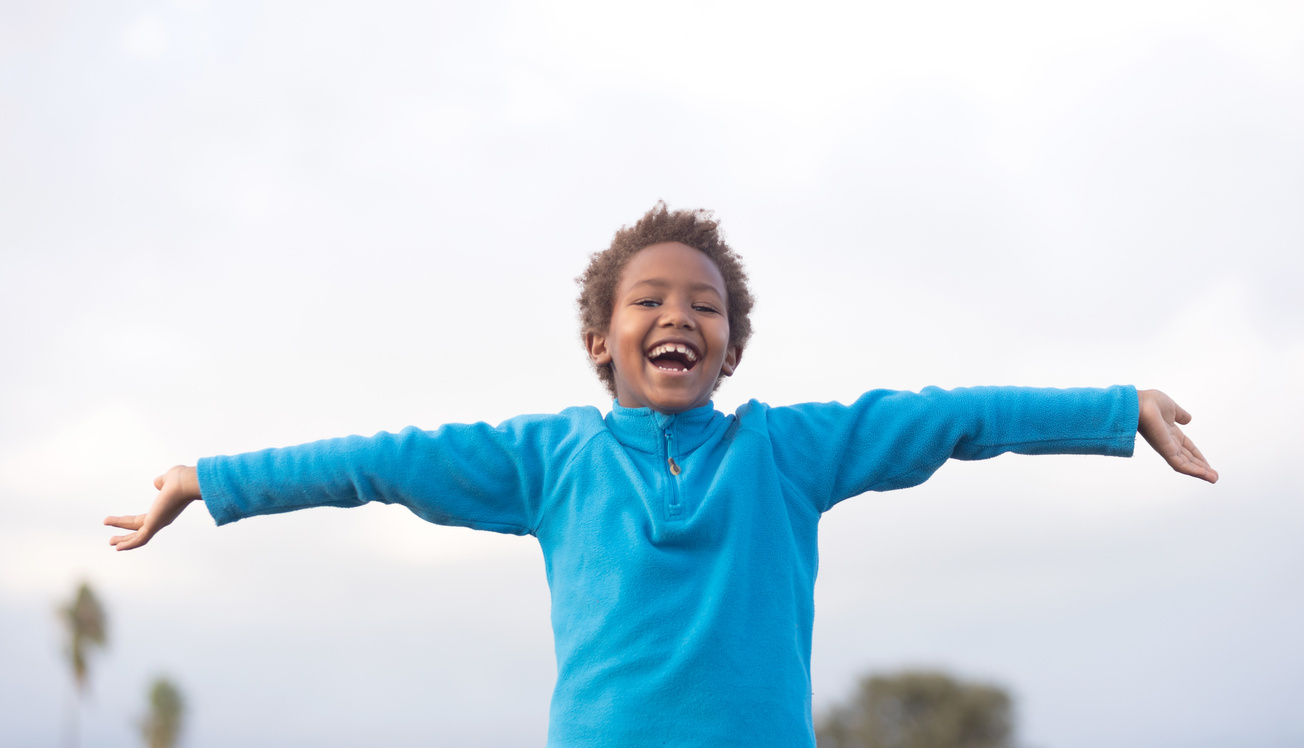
(85, 621)
(1158, 424)
(167, 707)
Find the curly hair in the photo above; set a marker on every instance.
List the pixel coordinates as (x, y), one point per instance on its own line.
(696, 228)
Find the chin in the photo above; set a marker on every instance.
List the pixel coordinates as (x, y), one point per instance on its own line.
(678, 405)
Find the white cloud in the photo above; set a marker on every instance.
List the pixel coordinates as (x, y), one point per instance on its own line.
(398, 536)
(31, 24)
(146, 37)
(75, 464)
(41, 564)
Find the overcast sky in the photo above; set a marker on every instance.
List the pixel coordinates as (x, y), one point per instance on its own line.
(227, 226)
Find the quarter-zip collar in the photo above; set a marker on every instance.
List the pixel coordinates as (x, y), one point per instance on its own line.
(644, 429)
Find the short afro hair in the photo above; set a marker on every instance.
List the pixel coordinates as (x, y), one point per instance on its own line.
(696, 228)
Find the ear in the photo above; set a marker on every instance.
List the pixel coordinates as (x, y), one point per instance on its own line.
(731, 359)
(596, 343)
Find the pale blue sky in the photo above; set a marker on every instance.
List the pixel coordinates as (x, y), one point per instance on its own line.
(226, 226)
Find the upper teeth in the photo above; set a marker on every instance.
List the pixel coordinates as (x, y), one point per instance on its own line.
(665, 348)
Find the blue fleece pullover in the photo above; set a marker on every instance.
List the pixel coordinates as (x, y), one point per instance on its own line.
(680, 549)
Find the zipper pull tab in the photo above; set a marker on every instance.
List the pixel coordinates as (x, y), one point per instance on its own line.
(674, 467)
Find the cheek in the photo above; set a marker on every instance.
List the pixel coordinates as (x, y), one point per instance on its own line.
(629, 345)
(722, 334)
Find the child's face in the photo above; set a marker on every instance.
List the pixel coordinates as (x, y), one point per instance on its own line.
(668, 340)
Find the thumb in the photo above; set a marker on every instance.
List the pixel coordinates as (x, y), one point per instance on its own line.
(158, 482)
(1182, 416)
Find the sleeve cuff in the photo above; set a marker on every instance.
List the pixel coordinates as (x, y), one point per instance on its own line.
(221, 505)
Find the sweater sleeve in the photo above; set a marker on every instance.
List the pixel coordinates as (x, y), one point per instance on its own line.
(888, 440)
(467, 475)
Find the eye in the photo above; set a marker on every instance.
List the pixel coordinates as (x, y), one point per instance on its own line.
(647, 302)
(706, 308)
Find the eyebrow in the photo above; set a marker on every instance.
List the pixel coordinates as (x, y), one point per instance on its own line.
(662, 283)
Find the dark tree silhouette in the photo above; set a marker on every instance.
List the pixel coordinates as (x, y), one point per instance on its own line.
(87, 627)
(919, 709)
(167, 708)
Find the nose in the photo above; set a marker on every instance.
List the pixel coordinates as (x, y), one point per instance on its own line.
(675, 314)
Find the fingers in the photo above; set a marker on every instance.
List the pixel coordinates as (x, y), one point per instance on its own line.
(1189, 446)
(134, 522)
(127, 542)
(1196, 470)
(1186, 458)
(132, 539)
(1198, 459)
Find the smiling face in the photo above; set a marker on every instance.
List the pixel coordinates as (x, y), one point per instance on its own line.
(668, 339)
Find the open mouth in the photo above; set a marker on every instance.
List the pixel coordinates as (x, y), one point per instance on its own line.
(673, 357)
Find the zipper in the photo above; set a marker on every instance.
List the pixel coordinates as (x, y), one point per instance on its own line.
(673, 508)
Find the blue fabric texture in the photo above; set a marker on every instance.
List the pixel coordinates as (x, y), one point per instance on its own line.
(680, 549)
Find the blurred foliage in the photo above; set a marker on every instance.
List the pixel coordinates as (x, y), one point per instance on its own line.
(167, 708)
(87, 628)
(86, 625)
(919, 709)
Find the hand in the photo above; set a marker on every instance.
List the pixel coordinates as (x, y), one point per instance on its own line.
(176, 489)
(1158, 420)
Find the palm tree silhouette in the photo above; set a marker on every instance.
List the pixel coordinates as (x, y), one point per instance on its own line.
(85, 622)
(167, 707)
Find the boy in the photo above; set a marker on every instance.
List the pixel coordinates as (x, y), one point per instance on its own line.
(680, 543)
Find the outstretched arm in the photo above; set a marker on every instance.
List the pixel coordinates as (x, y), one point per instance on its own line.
(176, 489)
(466, 475)
(888, 440)
(1157, 423)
